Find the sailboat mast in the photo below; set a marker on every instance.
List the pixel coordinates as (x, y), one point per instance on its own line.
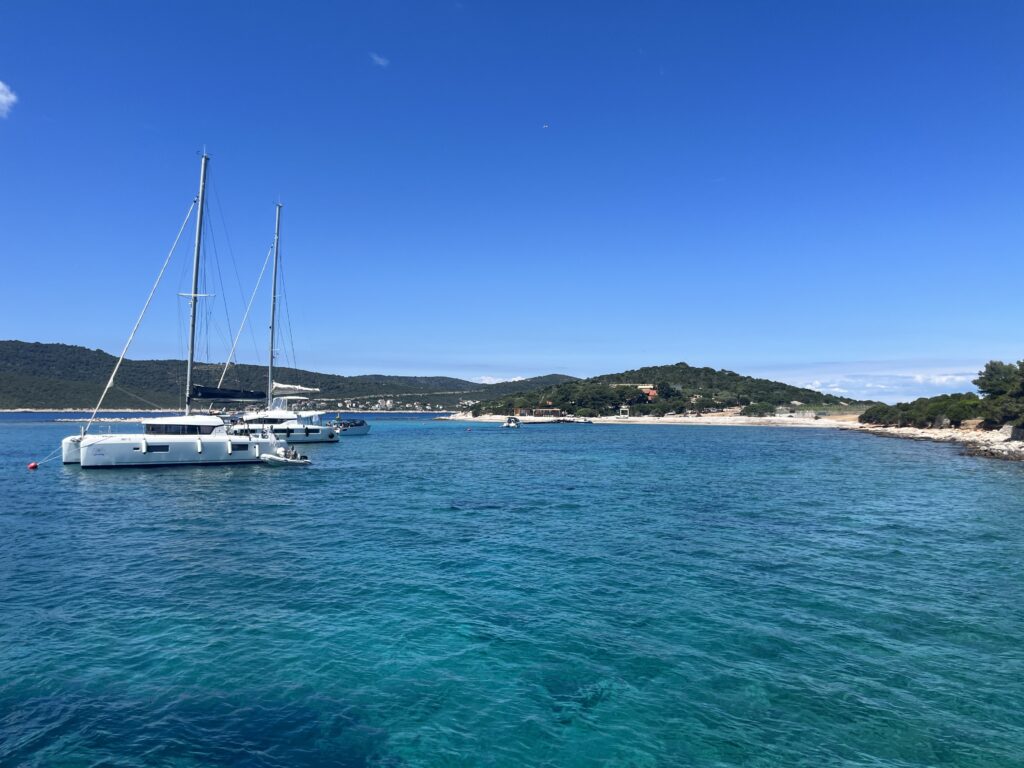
(194, 297)
(273, 307)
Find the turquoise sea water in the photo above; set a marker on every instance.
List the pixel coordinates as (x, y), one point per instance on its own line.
(556, 595)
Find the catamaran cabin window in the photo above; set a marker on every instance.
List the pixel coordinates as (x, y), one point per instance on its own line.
(239, 446)
(158, 448)
(179, 429)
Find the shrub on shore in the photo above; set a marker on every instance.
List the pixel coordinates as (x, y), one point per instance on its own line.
(926, 412)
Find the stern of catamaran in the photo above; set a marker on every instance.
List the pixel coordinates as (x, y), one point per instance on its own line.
(71, 450)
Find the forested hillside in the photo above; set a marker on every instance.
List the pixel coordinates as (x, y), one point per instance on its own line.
(678, 388)
(36, 375)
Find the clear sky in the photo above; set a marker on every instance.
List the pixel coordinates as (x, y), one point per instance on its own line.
(828, 193)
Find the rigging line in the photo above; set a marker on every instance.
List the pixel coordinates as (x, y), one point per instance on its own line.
(207, 306)
(252, 333)
(288, 315)
(179, 369)
(220, 282)
(200, 311)
(137, 397)
(51, 457)
(245, 317)
(207, 313)
(227, 237)
(142, 314)
(223, 293)
(255, 349)
(180, 357)
(234, 267)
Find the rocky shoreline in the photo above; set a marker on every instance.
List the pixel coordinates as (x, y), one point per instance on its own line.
(1005, 443)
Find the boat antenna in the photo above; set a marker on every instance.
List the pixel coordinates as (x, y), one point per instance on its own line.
(194, 296)
(273, 306)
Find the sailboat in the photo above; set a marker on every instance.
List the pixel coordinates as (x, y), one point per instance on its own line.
(278, 418)
(189, 439)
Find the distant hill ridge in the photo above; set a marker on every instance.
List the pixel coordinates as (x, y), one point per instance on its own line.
(42, 375)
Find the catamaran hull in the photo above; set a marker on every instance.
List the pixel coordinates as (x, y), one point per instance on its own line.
(70, 451)
(115, 451)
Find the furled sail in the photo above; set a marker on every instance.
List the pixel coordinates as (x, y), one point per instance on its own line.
(293, 389)
(200, 392)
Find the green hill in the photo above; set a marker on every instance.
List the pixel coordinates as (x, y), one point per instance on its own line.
(38, 375)
(680, 388)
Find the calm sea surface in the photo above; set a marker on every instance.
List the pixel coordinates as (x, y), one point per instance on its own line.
(557, 595)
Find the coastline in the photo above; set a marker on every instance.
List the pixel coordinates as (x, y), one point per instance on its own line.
(708, 421)
(995, 444)
(992, 444)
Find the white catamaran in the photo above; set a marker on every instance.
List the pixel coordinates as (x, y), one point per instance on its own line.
(191, 439)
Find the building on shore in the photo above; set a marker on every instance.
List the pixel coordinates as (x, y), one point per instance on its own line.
(648, 389)
(553, 413)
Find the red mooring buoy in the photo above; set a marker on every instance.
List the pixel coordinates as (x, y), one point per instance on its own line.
(33, 465)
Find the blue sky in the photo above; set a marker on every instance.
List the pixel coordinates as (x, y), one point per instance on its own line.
(828, 193)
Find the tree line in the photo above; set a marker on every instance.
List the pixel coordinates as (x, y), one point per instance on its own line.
(1001, 401)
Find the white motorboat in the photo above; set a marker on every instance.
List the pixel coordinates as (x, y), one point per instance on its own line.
(350, 427)
(511, 423)
(190, 439)
(288, 425)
